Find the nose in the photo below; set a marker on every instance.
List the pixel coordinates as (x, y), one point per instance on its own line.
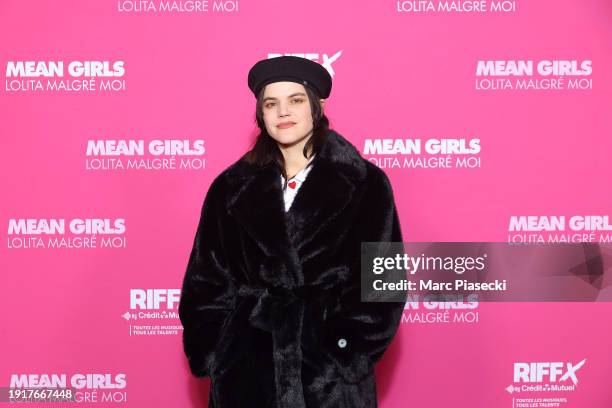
(283, 109)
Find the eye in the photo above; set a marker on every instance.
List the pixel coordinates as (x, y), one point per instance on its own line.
(269, 105)
(299, 100)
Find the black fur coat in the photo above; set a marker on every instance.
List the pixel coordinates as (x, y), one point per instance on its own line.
(270, 301)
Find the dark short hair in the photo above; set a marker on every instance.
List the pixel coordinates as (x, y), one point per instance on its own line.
(265, 150)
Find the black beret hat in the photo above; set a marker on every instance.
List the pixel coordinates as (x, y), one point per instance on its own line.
(293, 69)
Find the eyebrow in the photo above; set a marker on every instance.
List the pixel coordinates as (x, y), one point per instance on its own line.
(290, 96)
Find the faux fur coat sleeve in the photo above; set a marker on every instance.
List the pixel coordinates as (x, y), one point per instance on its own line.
(208, 294)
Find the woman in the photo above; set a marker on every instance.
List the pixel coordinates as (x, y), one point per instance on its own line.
(270, 302)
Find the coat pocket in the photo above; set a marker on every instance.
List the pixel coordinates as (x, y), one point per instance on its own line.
(331, 358)
(353, 369)
(342, 348)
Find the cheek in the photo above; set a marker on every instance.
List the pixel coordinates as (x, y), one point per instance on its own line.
(305, 115)
(268, 120)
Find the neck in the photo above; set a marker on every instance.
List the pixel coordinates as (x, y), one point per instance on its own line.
(294, 156)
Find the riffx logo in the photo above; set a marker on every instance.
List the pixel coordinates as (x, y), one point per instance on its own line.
(322, 59)
(546, 372)
(153, 299)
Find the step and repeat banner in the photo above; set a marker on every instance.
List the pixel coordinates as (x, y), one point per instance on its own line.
(491, 118)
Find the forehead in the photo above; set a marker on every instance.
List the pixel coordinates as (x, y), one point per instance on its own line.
(282, 89)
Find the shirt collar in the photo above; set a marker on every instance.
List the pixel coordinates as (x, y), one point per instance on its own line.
(301, 175)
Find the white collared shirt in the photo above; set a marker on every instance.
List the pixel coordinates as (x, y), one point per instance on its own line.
(294, 184)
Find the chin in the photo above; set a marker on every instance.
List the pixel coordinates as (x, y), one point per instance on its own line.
(287, 139)
(289, 136)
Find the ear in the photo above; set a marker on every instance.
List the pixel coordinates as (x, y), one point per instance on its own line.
(322, 101)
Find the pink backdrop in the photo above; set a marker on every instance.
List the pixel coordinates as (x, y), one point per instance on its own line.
(400, 72)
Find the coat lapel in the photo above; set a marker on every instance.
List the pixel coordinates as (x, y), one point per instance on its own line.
(255, 199)
(323, 195)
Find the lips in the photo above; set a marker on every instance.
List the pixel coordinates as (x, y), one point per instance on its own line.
(285, 125)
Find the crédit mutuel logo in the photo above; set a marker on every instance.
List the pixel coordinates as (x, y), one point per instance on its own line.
(545, 376)
(324, 59)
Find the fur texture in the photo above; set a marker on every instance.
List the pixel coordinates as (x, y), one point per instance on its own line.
(267, 295)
